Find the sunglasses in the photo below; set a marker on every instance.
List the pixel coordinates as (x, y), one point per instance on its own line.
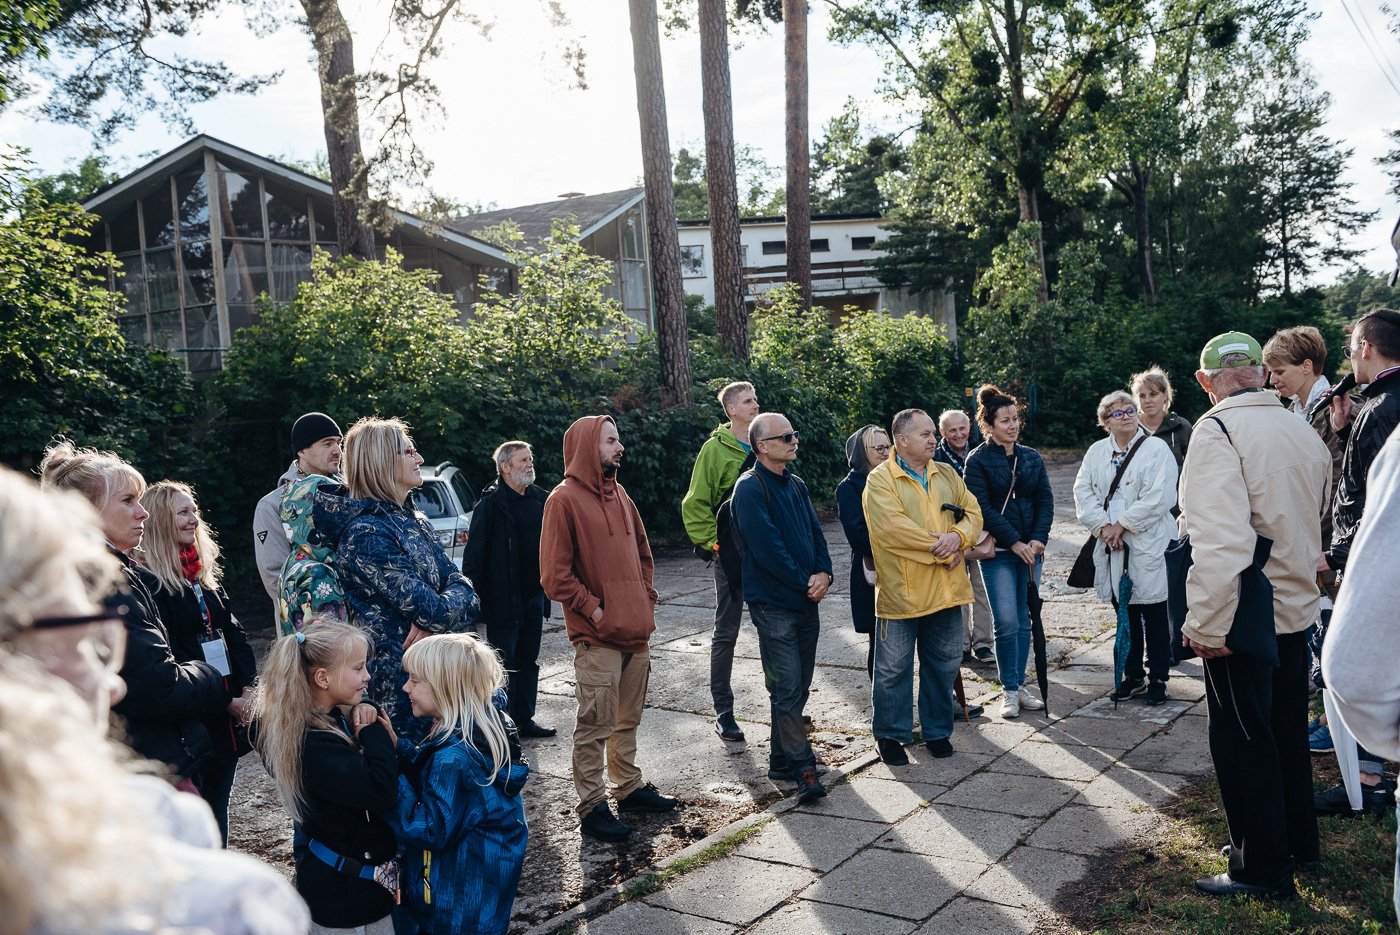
(787, 438)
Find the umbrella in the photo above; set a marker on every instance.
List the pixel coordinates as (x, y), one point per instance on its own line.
(1122, 640)
(960, 694)
(1042, 670)
(1344, 745)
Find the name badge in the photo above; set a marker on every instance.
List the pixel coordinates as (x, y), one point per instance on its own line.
(1115, 508)
(216, 654)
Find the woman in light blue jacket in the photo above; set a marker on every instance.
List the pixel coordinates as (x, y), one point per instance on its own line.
(1135, 527)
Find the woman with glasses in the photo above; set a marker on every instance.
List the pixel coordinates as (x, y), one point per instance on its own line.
(398, 582)
(181, 555)
(1152, 395)
(1012, 487)
(166, 699)
(1133, 523)
(865, 449)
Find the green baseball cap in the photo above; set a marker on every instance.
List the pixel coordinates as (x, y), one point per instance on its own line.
(1231, 349)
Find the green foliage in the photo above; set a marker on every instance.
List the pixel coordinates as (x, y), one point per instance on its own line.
(1357, 292)
(76, 184)
(755, 179)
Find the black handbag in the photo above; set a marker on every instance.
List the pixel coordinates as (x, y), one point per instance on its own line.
(1082, 574)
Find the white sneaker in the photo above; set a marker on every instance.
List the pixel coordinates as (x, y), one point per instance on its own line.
(1028, 701)
(1010, 705)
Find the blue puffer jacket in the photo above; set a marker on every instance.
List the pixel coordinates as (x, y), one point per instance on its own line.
(1031, 507)
(463, 832)
(394, 575)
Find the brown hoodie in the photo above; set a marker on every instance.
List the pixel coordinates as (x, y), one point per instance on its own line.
(594, 551)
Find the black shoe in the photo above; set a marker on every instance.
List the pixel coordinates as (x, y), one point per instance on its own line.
(728, 728)
(940, 748)
(1374, 799)
(531, 728)
(648, 799)
(1156, 693)
(1130, 688)
(1222, 885)
(809, 787)
(974, 710)
(892, 752)
(600, 823)
(1305, 865)
(778, 774)
(984, 655)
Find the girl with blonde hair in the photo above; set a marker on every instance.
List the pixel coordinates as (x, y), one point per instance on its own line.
(332, 760)
(460, 817)
(181, 555)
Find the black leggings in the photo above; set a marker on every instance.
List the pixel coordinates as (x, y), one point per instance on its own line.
(1147, 624)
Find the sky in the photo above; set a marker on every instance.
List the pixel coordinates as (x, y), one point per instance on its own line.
(515, 132)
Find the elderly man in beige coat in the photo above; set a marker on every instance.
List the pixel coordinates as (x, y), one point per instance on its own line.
(1254, 470)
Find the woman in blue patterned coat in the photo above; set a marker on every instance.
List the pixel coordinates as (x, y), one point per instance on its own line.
(399, 584)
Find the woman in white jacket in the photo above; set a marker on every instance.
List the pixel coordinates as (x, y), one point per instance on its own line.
(1136, 525)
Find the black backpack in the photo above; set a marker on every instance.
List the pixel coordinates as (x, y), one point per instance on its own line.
(731, 544)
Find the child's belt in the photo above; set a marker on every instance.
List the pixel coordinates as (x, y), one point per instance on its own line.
(340, 863)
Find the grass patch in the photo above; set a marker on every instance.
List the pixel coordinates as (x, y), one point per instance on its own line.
(723, 848)
(1146, 887)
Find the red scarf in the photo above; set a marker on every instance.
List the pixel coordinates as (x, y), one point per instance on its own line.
(190, 564)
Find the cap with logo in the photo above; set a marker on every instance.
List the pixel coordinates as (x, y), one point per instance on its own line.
(1231, 349)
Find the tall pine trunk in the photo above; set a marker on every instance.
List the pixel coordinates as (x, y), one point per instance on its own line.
(335, 66)
(731, 321)
(799, 170)
(661, 204)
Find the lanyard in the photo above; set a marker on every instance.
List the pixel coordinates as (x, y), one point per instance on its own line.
(203, 608)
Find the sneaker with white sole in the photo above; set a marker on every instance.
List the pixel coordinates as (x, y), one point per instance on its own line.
(1028, 701)
(1010, 705)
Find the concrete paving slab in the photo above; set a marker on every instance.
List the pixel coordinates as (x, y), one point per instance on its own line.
(1077, 829)
(631, 918)
(926, 770)
(1028, 878)
(818, 842)
(1015, 795)
(1181, 749)
(1186, 688)
(1108, 734)
(959, 833)
(734, 890)
(990, 736)
(1053, 761)
(1134, 710)
(809, 918)
(1121, 787)
(964, 916)
(911, 886)
(872, 800)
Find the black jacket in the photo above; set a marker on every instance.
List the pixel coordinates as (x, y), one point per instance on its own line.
(948, 456)
(851, 511)
(492, 556)
(188, 631)
(348, 789)
(1176, 432)
(1029, 510)
(166, 700)
(1371, 425)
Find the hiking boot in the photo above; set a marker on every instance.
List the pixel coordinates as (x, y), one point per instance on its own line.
(941, 748)
(1010, 706)
(975, 710)
(984, 655)
(1376, 799)
(1129, 688)
(648, 799)
(1156, 693)
(728, 728)
(1028, 701)
(1320, 740)
(533, 729)
(809, 787)
(892, 752)
(600, 823)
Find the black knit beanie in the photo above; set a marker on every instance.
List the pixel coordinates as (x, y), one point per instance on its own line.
(310, 429)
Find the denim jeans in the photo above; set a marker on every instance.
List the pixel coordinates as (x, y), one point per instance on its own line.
(1007, 579)
(787, 644)
(1396, 897)
(939, 639)
(729, 610)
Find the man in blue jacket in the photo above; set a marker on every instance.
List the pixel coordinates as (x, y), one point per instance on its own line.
(787, 572)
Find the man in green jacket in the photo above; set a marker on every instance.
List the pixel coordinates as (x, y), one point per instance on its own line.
(716, 469)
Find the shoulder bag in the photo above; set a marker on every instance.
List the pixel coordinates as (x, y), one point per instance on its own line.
(1082, 574)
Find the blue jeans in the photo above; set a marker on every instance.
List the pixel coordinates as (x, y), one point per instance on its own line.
(1007, 579)
(1396, 896)
(939, 639)
(787, 644)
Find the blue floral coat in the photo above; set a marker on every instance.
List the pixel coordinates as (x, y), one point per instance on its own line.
(394, 575)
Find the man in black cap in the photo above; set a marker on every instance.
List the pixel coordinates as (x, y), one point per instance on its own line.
(316, 447)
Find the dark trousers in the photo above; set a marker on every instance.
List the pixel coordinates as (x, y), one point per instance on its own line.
(216, 785)
(1148, 629)
(519, 645)
(787, 644)
(729, 611)
(1259, 744)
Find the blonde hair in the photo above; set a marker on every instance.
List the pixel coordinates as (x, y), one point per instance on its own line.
(1156, 378)
(1109, 401)
(730, 392)
(463, 672)
(97, 475)
(161, 543)
(371, 458)
(283, 708)
(51, 544)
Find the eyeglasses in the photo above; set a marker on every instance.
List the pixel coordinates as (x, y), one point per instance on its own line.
(1348, 350)
(85, 650)
(1123, 413)
(410, 452)
(787, 438)
(880, 448)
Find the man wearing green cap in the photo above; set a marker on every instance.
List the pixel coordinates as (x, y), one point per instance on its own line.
(1254, 470)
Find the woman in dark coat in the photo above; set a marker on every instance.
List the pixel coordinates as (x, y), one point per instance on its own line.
(865, 449)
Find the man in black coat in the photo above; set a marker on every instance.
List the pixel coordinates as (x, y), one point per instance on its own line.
(502, 559)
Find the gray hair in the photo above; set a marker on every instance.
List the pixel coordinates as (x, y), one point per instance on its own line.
(1226, 380)
(903, 418)
(1108, 402)
(506, 450)
(947, 415)
(759, 426)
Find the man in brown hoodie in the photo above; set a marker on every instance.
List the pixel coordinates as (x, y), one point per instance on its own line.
(596, 562)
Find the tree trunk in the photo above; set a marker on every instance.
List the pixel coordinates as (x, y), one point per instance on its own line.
(1027, 195)
(1142, 179)
(335, 66)
(731, 321)
(799, 159)
(671, 339)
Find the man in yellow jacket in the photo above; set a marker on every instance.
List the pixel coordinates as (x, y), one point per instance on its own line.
(921, 518)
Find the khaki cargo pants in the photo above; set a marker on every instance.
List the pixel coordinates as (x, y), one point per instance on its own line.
(611, 689)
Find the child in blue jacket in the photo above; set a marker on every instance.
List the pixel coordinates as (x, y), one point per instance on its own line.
(460, 819)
